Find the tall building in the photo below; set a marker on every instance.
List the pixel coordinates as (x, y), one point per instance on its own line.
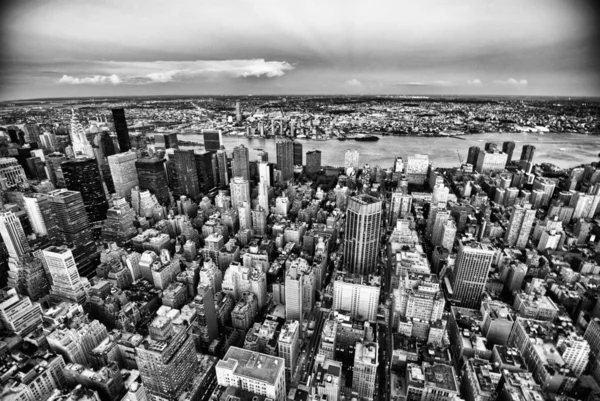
(121, 129)
(400, 205)
(17, 313)
(83, 176)
(417, 167)
(187, 175)
(212, 139)
(12, 173)
(205, 171)
(473, 263)
(240, 192)
(119, 227)
(289, 346)
(297, 153)
(364, 372)
(508, 147)
(363, 228)
(527, 153)
(74, 227)
(294, 293)
(13, 235)
(351, 159)
(473, 155)
(259, 373)
(263, 194)
(222, 168)
(205, 327)
(519, 227)
(66, 281)
(166, 141)
(265, 172)
(358, 295)
(166, 360)
(285, 158)
(313, 161)
(79, 141)
(124, 173)
(152, 176)
(241, 166)
(488, 162)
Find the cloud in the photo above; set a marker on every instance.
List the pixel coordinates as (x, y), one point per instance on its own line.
(91, 80)
(474, 82)
(442, 83)
(353, 82)
(512, 82)
(139, 73)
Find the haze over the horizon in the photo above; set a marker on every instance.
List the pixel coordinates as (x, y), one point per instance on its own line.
(54, 48)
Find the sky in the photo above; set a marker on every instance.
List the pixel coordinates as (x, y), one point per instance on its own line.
(81, 48)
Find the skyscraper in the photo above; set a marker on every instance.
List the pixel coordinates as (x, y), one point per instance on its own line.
(124, 173)
(153, 177)
(166, 359)
(212, 139)
(66, 281)
(363, 227)
(83, 175)
(285, 158)
(519, 227)
(13, 235)
(121, 128)
(471, 271)
(241, 167)
(527, 153)
(313, 161)
(294, 291)
(508, 147)
(289, 346)
(364, 372)
(12, 173)
(204, 169)
(263, 194)
(79, 142)
(41, 216)
(106, 144)
(17, 313)
(187, 176)
(74, 227)
(473, 155)
(222, 168)
(240, 192)
(351, 159)
(297, 153)
(166, 141)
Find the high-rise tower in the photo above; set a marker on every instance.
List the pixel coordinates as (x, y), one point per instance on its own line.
(241, 167)
(124, 173)
(83, 175)
(519, 227)
(285, 158)
(153, 177)
(121, 129)
(187, 176)
(363, 228)
(471, 272)
(81, 145)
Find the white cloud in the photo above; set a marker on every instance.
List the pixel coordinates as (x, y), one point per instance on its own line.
(92, 80)
(178, 71)
(512, 82)
(474, 82)
(442, 83)
(353, 82)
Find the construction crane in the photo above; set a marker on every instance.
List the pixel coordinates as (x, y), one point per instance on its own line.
(459, 158)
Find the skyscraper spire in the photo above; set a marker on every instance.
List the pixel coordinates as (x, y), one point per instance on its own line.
(81, 146)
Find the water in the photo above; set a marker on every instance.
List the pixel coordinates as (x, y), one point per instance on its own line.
(562, 149)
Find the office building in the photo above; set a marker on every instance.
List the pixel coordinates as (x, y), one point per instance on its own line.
(152, 176)
(297, 153)
(166, 359)
(400, 206)
(121, 129)
(83, 176)
(417, 167)
(240, 192)
(351, 159)
(18, 314)
(519, 227)
(205, 171)
(473, 263)
(119, 225)
(575, 351)
(294, 293)
(265, 172)
(547, 187)
(480, 380)
(66, 281)
(356, 294)
(41, 216)
(489, 162)
(206, 326)
(313, 161)
(79, 141)
(473, 155)
(508, 147)
(187, 176)
(527, 153)
(12, 173)
(240, 163)
(328, 379)
(364, 372)
(74, 227)
(363, 227)
(166, 141)
(13, 235)
(285, 158)
(124, 173)
(259, 373)
(221, 168)
(212, 139)
(289, 346)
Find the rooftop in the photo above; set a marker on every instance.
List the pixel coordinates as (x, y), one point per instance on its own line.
(253, 365)
(440, 376)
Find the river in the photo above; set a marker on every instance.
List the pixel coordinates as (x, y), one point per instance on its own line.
(562, 149)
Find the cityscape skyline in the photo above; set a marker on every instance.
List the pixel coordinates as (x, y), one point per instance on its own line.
(235, 48)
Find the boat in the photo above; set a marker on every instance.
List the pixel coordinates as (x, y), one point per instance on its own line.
(366, 138)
